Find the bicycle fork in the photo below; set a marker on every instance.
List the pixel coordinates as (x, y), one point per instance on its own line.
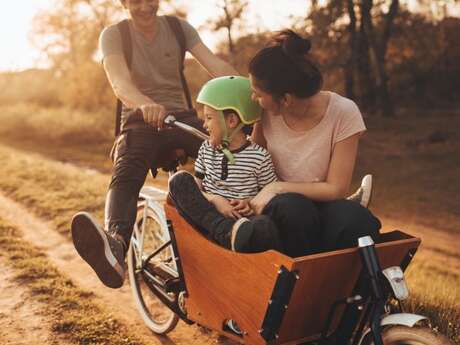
(373, 270)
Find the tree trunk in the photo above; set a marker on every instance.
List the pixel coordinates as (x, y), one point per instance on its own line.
(229, 26)
(378, 59)
(366, 80)
(350, 67)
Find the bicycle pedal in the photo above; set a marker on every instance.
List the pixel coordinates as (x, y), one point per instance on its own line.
(173, 285)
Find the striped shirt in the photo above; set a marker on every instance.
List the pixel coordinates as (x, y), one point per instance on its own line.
(253, 169)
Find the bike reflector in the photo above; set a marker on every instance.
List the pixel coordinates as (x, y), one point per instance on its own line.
(395, 277)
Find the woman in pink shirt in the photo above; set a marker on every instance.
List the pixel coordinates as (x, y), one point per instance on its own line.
(313, 138)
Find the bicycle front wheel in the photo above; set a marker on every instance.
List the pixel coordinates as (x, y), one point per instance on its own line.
(150, 234)
(403, 335)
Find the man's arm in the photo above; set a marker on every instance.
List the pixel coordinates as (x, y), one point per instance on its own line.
(124, 88)
(120, 79)
(215, 66)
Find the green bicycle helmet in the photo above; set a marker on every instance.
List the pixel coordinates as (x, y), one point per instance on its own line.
(230, 93)
(233, 93)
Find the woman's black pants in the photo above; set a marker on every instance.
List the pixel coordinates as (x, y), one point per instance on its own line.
(308, 227)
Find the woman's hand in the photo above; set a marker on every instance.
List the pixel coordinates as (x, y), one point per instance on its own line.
(224, 206)
(242, 206)
(261, 200)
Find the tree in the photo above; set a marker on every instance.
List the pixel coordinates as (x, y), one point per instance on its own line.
(68, 33)
(231, 19)
(378, 48)
(360, 30)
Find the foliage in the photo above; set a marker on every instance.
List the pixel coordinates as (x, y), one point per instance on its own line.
(420, 59)
(230, 20)
(418, 52)
(68, 33)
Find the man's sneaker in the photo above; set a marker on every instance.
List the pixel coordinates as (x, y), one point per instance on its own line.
(104, 252)
(364, 193)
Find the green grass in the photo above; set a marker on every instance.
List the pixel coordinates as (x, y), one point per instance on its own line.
(53, 190)
(75, 314)
(84, 138)
(435, 293)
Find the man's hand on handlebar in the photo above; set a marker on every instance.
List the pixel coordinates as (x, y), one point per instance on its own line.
(154, 114)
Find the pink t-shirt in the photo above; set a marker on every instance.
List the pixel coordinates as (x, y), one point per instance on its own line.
(304, 156)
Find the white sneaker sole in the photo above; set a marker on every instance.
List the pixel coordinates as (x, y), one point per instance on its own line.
(91, 243)
(366, 185)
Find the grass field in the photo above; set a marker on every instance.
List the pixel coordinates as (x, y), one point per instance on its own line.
(414, 159)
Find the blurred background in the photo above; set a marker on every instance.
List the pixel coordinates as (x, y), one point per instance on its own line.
(398, 60)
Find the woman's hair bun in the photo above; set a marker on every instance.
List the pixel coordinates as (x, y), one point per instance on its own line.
(293, 44)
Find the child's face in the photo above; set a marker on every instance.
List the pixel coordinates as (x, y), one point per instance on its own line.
(213, 126)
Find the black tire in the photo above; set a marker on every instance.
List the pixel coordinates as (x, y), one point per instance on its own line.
(157, 316)
(403, 335)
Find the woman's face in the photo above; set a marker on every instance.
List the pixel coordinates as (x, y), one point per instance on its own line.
(264, 99)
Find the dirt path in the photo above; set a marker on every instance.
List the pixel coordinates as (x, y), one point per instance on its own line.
(21, 321)
(62, 253)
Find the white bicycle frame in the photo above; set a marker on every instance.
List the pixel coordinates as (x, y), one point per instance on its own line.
(151, 199)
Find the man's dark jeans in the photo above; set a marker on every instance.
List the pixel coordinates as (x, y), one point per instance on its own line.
(308, 227)
(138, 151)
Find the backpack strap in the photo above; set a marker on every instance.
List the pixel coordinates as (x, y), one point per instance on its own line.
(176, 27)
(123, 27)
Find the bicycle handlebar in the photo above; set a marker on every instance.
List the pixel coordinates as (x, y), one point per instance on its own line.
(171, 121)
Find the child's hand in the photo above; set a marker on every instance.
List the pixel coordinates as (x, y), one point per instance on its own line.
(261, 200)
(224, 207)
(242, 207)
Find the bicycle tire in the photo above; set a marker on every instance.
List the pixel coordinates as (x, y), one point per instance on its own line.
(157, 316)
(403, 335)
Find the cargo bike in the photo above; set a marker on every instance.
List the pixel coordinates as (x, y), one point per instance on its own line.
(348, 296)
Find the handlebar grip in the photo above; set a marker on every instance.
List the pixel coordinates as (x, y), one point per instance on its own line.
(137, 115)
(172, 120)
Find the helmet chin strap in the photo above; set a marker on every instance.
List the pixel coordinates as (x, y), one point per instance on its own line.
(227, 137)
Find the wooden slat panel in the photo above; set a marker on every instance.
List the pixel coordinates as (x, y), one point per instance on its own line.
(223, 284)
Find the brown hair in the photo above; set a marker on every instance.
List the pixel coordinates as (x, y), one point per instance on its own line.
(286, 67)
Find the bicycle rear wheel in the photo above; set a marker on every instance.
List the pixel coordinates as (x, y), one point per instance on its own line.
(149, 234)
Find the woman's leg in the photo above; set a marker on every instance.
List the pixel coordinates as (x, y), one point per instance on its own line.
(298, 222)
(255, 235)
(343, 222)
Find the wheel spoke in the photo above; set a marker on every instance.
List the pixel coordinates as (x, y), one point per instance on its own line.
(150, 236)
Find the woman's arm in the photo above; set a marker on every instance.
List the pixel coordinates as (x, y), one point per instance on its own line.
(335, 187)
(214, 65)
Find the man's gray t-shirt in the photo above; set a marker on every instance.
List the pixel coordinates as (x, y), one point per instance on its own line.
(155, 64)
